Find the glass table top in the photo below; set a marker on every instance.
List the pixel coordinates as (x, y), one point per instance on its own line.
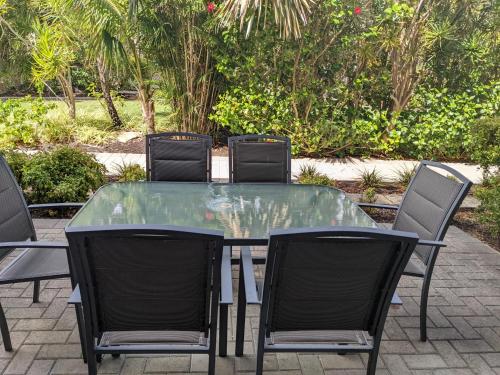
(242, 211)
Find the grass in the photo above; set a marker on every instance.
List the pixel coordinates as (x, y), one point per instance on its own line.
(92, 113)
(92, 124)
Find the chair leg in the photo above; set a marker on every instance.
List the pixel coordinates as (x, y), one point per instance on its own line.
(260, 352)
(223, 330)
(372, 362)
(81, 330)
(240, 317)
(7, 344)
(423, 308)
(211, 362)
(36, 291)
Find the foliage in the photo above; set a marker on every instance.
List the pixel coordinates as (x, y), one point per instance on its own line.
(370, 179)
(441, 124)
(62, 175)
(130, 172)
(21, 121)
(405, 174)
(309, 175)
(16, 161)
(489, 211)
(485, 143)
(369, 195)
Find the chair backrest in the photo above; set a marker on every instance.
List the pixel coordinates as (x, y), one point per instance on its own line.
(260, 158)
(333, 278)
(429, 204)
(146, 278)
(15, 219)
(179, 157)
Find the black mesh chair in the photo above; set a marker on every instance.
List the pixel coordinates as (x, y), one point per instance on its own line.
(324, 290)
(39, 260)
(179, 157)
(148, 289)
(427, 208)
(260, 158)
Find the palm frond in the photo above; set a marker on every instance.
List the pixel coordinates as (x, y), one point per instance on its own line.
(289, 15)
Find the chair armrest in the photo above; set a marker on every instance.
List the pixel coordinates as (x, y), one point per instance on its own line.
(75, 298)
(431, 243)
(226, 288)
(377, 205)
(34, 245)
(249, 276)
(55, 205)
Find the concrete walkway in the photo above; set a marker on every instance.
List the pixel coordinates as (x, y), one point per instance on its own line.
(339, 169)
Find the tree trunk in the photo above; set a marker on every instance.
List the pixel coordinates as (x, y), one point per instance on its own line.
(106, 94)
(69, 95)
(148, 108)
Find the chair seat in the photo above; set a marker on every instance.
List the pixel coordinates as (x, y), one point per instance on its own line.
(320, 337)
(36, 264)
(153, 337)
(414, 269)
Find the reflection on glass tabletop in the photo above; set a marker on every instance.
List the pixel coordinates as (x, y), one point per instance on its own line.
(242, 211)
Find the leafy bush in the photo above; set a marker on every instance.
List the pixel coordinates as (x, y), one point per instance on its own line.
(130, 172)
(21, 121)
(17, 161)
(489, 211)
(62, 175)
(485, 143)
(309, 175)
(441, 124)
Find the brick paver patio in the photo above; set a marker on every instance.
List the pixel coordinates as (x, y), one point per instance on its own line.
(464, 327)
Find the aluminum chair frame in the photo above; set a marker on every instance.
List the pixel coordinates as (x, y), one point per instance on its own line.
(219, 292)
(29, 244)
(257, 137)
(170, 136)
(250, 294)
(426, 273)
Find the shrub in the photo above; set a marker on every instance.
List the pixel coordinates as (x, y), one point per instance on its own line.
(130, 172)
(488, 212)
(485, 143)
(309, 175)
(17, 161)
(21, 121)
(62, 175)
(441, 124)
(371, 179)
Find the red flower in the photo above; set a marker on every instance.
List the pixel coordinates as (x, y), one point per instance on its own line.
(357, 10)
(210, 7)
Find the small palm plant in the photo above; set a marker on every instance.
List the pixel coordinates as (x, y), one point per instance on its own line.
(371, 178)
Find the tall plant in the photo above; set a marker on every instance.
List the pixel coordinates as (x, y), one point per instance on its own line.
(182, 50)
(120, 31)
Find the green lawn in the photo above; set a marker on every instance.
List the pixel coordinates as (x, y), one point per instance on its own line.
(93, 113)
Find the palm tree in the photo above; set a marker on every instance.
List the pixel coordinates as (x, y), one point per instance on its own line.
(289, 15)
(117, 37)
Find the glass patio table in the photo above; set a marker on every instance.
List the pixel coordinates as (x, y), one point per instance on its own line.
(244, 212)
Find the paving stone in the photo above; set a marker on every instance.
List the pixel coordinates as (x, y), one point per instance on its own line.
(168, 364)
(40, 367)
(424, 361)
(69, 367)
(47, 337)
(22, 360)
